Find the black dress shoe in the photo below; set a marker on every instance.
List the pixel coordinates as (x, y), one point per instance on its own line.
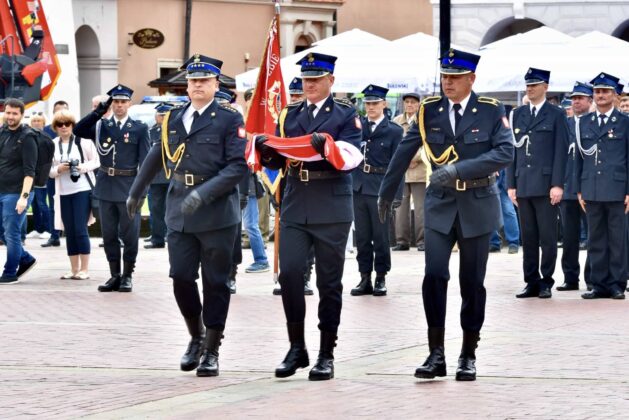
(528, 292)
(400, 247)
(111, 285)
(435, 364)
(617, 294)
(380, 286)
(51, 242)
(297, 356)
(568, 286)
(208, 366)
(545, 293)
(594, 295)
(323, 370)
(154, 246)
(148, 239)
(364, 287)
(192, 356)
(421, 247)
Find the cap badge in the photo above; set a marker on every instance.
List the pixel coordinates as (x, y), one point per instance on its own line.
(602, 75)
(310, 58)
(451, 54)
(370, 87)
(197, 58)
(530, 71)
(119, 87)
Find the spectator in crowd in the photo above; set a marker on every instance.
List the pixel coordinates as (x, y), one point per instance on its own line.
(50, 187)
(73, 170)
(624, 105)
(510, 218)
(250, 222)
(41, 216)
(414, 185)
(18, 160)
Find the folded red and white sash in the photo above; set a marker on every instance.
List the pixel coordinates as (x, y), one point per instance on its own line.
(341, 154)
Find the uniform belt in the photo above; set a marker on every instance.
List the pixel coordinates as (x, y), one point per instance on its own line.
(305, 175)
(460, 185)
(118, 172)
(368, 169)
(190, 179)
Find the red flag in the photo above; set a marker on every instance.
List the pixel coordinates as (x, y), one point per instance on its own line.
(270, 96)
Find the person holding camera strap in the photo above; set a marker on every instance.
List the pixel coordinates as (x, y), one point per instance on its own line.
(72, 168)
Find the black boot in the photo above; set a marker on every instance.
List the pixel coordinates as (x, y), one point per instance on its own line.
(364, 287)
(190, 359)
(467, 360)
(435, 364)
(380, 288)
(232, 279)
(297, 356)
(126, 284)
(324, 368)
(209, 358)
(113, 284)
(307, 289)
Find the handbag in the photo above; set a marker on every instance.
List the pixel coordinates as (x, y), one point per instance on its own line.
(93, 200)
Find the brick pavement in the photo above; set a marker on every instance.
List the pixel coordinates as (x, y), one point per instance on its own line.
(68, 351)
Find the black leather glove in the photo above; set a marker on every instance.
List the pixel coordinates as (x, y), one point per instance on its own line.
(191, 203)
(103, 107)
(444, 176)
(134, 205)
(385, 208)
(318, 143)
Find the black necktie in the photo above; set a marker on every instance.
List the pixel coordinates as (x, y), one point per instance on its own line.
(119, 124)
(534, 112)
(195, 116)
(372, 126)
(311, 110)
(602, 121)
(457, 115)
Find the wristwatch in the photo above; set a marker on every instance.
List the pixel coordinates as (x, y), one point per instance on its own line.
(25, 195)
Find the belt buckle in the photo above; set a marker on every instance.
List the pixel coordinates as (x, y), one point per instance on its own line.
(460, 185)
(366, 168)
(189, 179)
(303, 175)
(111, 171)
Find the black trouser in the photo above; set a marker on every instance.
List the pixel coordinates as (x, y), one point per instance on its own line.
(538, 224)
(329, 242)
(607, 239)
(372, 237)
(114, 224)
(157, 207)
(473, 254)
(213, 250)
(571, 213)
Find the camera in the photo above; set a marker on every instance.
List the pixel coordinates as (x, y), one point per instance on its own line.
(74, 170)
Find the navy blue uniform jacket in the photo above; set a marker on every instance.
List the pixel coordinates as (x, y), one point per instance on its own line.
(484, 145)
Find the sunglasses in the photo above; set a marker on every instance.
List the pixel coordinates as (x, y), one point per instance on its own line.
(63, 124)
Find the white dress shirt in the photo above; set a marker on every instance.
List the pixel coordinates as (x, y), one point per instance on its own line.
(187, 117)
(451, 109)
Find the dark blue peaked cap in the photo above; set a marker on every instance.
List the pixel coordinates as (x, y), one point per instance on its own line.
(459, 62)
(200, 67)
(605, 81)
(374, 93)
(296, 86)
(121, 92)
(581, 89)
(317, 65)
(163, 108)
(536, 76)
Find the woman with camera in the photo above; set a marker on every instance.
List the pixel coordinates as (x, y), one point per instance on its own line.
(72, 167)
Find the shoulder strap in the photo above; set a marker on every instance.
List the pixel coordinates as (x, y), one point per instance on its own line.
(87, 175)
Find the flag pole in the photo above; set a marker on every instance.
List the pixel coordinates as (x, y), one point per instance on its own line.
(276, 229)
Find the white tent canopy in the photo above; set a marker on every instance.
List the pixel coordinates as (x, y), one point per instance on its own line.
(502, 68)
(363, 58)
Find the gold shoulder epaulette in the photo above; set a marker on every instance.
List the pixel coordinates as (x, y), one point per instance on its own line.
(344, 101)
(228, 108)
(431, 99)
(488, 100)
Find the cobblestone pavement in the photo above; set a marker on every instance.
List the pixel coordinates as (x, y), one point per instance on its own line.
(68, 351)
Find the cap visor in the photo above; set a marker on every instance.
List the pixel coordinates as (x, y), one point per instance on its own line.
(372, 99)
(573, 94)
(121, 97)
(604, 87)
(534, 82)
(295, 92)
(313, 74)
(200, 75)
(450, 70)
